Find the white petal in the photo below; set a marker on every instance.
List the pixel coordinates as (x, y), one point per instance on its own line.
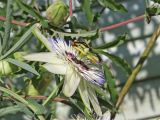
(84, 93)
(94, 101)
(71, 82)
(56, 68)
(61, 46)
(105, 116)
(48, 57)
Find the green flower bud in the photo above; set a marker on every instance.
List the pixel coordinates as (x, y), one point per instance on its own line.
(6, 68)
(19, 55)
(30, 89)
(58, 13)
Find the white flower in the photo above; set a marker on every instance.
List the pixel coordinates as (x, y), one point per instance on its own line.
(63, 59)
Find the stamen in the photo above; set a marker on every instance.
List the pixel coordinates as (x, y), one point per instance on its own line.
(68, 53)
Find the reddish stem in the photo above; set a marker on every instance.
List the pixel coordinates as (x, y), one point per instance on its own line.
(70, 8)
(40, 97)
(138, 18)
(14, 22)
(57, 99)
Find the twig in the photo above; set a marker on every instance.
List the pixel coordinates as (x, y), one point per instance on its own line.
(138, 18)
(40, 97)
(57, 99)
(70, 8)
(137, 68)
(2, 18)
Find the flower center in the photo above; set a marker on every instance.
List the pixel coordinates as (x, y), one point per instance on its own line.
(80, 65)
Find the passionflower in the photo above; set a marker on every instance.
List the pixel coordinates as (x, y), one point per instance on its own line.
(64, 59)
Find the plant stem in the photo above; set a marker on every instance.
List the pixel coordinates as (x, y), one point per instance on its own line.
(135, 19)
(137, 68)
(2, 18)
(70, 8)
(53, 93)
(138, 18)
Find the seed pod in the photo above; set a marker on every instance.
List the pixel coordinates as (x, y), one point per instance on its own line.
(57, 13)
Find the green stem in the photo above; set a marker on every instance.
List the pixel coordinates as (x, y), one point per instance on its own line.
(53, 93)
(138, 67)
(7, 23)
(22, 100)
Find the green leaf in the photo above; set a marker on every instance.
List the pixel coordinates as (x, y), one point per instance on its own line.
(22, 100)
(119, 41)
(81, 107)
(87, 9)
(151, 11)
(77, 35)
(9, 110)
(39, 109)
(102, 94)
(77, 25)
(7, 24)
(119, 61)
(110, 83)
(22, 65)
(113, 5)
(32, 12)
(53, 93)
(1, 44)
(25, 37)
(24, 109)
(156, 1)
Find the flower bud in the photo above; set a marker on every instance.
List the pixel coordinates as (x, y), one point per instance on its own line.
(57, 13)
(6, 68)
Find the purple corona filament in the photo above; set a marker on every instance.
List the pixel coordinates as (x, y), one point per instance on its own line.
(66, 51)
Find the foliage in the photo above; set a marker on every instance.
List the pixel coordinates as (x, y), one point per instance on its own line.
(37, 82)
(152, 10)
